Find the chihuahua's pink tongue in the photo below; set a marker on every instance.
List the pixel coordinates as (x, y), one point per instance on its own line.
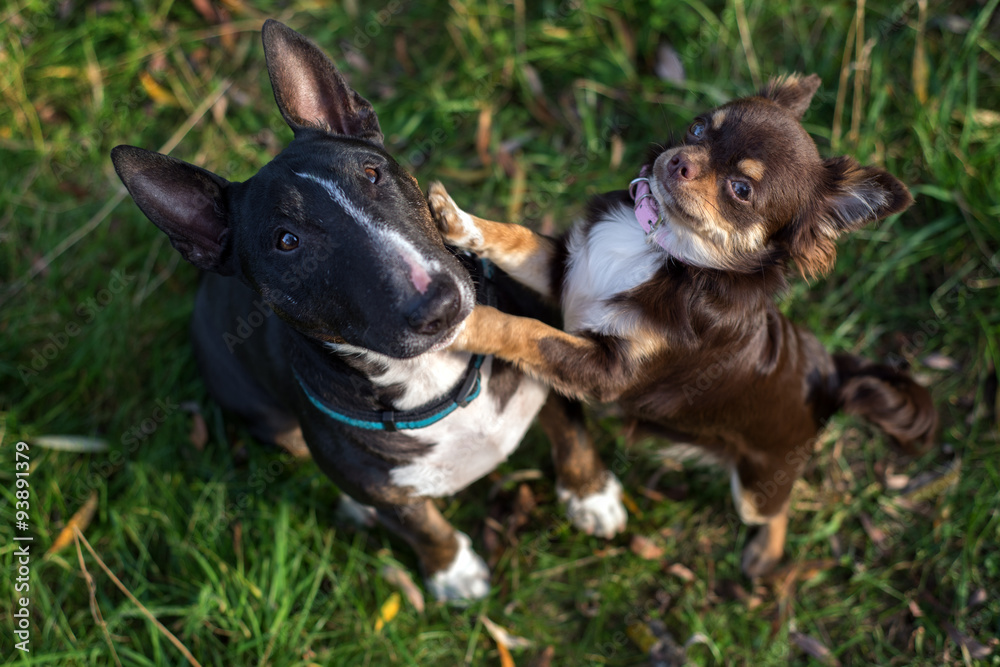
(418, 274)
(647, 211)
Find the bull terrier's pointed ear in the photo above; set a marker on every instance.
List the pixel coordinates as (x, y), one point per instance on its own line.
(794, 92)
(310, 91)
(187, 202)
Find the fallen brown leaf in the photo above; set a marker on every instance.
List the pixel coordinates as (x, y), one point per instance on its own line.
(226, 35)
(401, 579)
(403, 53)
(524, 503)
(977, 651)
(504, 640)
(977, 598)
(630, 505)
(652, 494)
(199, 431)
(813, 647)
(207, 11)
(681, 572)
(645, 548)
(483, 134)
(875, 534)
(543, 659)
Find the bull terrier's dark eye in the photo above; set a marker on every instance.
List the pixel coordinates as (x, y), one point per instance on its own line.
(287, 241)
(697, 129)
(741, 190)
(372, 174)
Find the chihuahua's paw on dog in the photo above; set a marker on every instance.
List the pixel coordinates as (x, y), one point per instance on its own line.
(601, 514)
(467, 578)
(456, 226)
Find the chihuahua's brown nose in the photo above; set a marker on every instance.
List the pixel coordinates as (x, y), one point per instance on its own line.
(681, 168)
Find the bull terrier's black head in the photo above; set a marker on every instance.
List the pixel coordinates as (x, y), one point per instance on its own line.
(333, 233)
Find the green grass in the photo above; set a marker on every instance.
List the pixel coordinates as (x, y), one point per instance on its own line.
(239, 553)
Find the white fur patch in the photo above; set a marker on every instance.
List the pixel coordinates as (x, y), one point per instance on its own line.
(471, 441)
(744, 507)
(338, 195)
(531, 268)
(424, 378)
(471, 237)
(601, 514)
(462, 232)
(467, 578)
(421, 267)
(609, 258)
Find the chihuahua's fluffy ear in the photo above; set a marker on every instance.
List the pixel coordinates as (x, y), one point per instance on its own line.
(848, 198)
(794, 92)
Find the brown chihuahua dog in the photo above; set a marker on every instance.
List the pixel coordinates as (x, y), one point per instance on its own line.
(667, 292)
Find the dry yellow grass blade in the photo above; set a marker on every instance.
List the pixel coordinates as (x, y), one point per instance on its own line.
(79, 521)
(95, 609)
(145, 612)
(920, 69)
(156, 92)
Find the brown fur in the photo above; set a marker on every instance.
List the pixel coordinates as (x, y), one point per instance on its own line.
(712, 360)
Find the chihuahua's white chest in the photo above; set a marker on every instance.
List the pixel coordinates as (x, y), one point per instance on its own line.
(608, 259)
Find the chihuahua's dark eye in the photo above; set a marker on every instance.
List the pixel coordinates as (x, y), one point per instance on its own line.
(372, 174)
(741, 190)
(287, 241)
(697, 129)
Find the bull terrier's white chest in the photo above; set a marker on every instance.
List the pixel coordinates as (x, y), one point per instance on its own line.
(472, 441)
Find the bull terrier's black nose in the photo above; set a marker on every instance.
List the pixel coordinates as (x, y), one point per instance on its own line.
(437, 310)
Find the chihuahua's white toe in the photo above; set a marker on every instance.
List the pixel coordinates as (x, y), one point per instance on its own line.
(467, 578)
(456, 226)
(601, 514)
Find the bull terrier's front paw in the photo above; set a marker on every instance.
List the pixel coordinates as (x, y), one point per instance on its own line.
(601, 513)
(456, 226)
(467, 578)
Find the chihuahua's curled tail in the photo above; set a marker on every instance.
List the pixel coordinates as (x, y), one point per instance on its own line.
(888, 398)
